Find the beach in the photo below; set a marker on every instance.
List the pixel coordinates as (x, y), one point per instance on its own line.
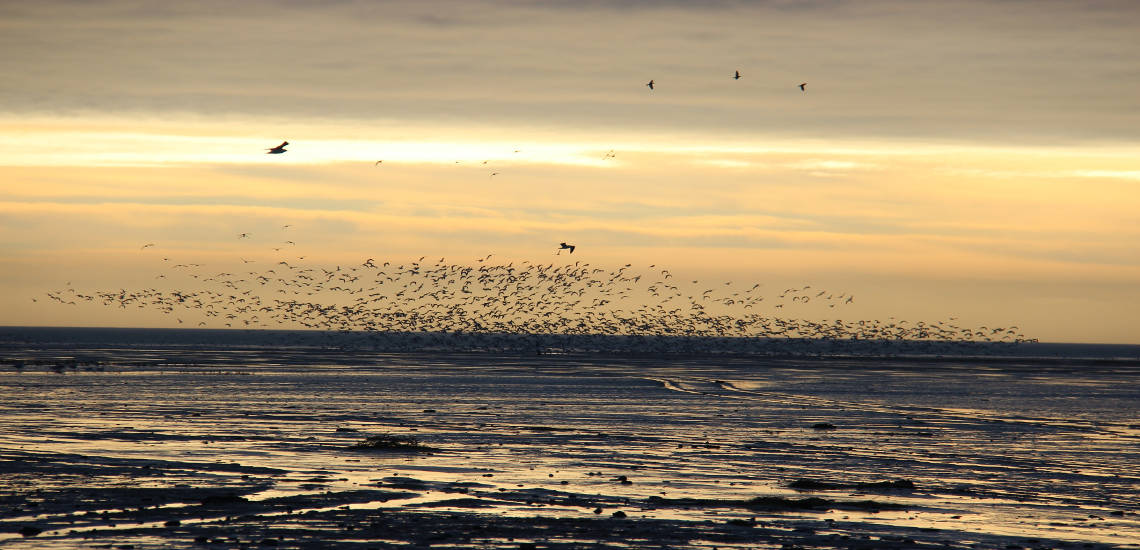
(159, 443)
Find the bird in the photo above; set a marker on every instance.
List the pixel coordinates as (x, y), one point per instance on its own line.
(243, 236)
(564, 246)
(277, 150)
(378, 163)
(650, 84)
(802, 84)
(737, 77)
(147, 245)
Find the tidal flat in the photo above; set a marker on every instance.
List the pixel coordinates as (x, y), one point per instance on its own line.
(155, 447)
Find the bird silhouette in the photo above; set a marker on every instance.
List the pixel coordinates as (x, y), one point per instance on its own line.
(802, 85)
(277, 150)
(737, 77)
(564, 246)
(650, 84)
(496, 306)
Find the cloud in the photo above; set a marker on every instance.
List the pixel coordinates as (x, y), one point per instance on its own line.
(1000, 72)
(1110, 174)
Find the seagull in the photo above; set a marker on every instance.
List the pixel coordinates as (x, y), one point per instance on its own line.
(147, 245)
(378, 163)
(564, 246)
(650, 84)
(737, 77)
(277, 150)
(802, 86)
(243, 236)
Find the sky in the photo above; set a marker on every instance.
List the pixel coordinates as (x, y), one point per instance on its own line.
(976, 160)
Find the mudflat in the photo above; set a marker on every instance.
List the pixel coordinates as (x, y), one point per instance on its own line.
(221, 448)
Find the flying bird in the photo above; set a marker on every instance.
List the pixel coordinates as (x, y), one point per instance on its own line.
(650, 84)
(737, 77)
(277, 150)
(802, 84)
(147, 245)
(564, 246)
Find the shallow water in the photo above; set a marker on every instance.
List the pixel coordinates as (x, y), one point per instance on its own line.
(997, 452)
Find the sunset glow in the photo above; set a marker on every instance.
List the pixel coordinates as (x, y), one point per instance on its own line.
(983, 167)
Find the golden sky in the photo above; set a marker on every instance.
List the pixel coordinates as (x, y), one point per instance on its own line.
(971, 159)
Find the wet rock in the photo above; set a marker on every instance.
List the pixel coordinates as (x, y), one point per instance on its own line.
(388, 442)
(223, 499)
(805, 484)
(823, 426)
(905, 484)
(618, 514)
(788, 503)
(812, 485)
(30, 531)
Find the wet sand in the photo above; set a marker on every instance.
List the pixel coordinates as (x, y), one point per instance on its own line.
(152, 448)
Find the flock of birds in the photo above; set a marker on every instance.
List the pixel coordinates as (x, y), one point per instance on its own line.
(501, 303)
(489, 305)
(736, 76)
